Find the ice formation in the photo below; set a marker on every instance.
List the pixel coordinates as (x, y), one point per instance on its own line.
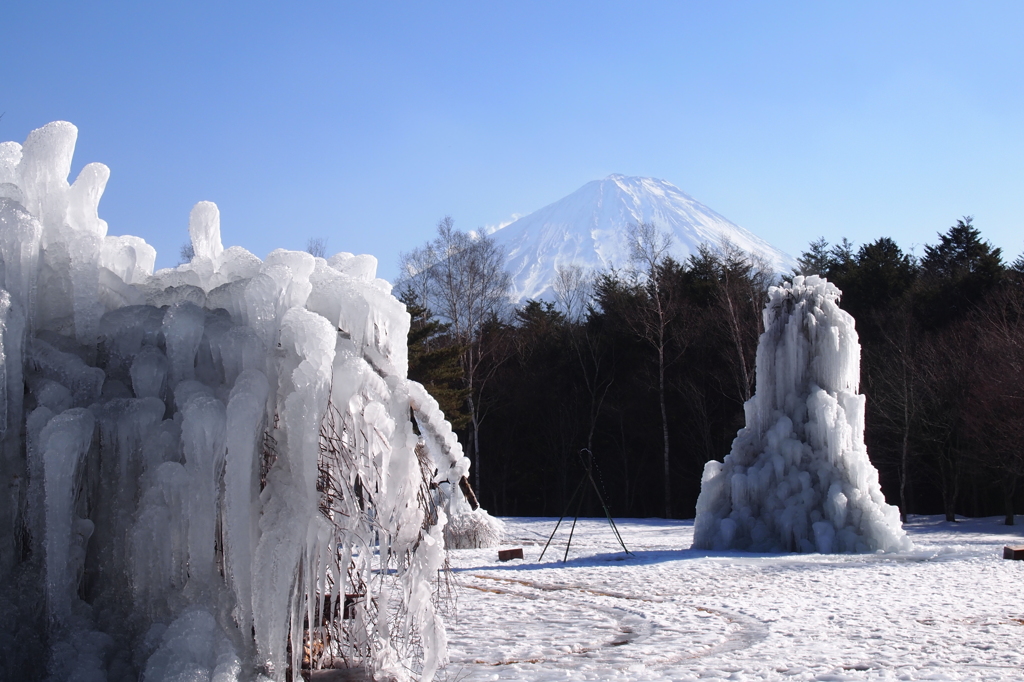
(213, 472)
(798, 477)
(469, 526)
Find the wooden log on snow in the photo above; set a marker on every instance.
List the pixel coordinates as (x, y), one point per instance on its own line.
(510, 554)
(1013, 552)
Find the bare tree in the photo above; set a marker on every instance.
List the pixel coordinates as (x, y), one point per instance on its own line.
(648, 254)
(741, 295)
(317, 247)
(461, 278)
(893, 376)
(996, 401)
(946, 371)
(574, 289)
(648, 246)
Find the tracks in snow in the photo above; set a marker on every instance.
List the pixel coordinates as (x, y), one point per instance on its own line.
(642, 627)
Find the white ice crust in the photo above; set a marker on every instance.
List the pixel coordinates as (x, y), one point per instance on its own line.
(169, 452)
(798, 478)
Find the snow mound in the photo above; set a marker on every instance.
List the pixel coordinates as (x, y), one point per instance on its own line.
(798, 477)
(211, 470)
(473, 529)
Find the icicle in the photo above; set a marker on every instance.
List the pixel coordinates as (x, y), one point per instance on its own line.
(20, 234)
(203, 437)
(183, 330)
(245, 424)
(64, 442)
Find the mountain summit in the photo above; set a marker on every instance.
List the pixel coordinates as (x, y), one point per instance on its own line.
(589, 227)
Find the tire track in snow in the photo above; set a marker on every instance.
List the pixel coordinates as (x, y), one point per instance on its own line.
(749, 631)
(632, 625)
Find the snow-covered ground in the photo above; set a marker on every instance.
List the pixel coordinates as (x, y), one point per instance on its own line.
(950, 609)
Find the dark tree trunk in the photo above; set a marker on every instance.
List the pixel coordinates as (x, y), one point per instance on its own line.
(904, 463)
(950, 487)
(664, 430)
(1009, 488)
(475, 443)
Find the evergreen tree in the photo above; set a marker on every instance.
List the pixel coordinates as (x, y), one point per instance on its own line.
(1018, 265)
(816, 260)
(957, 273)
(434, 362)
(879, 275)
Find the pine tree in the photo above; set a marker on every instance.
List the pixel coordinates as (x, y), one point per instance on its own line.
(957, 273)
(434, 362)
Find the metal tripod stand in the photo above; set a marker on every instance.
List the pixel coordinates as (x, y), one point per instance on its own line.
(588, 475)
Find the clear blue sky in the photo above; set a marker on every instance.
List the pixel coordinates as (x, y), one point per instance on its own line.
(366, 122)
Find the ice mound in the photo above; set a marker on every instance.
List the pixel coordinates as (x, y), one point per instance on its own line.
(798, 478)
(216, 471)
(473, 529)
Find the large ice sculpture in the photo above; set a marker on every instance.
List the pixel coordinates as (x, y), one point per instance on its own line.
(211, 471)
(798, 477)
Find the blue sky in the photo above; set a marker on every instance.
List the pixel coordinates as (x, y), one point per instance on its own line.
(364, 123)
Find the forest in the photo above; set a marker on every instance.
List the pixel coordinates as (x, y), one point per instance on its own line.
(644, 371)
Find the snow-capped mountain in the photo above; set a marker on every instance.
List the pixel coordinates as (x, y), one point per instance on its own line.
(589, 228)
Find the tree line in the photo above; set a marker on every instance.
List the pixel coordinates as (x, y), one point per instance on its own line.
(648, 368)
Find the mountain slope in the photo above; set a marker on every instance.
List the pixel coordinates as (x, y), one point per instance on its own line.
(589, 227)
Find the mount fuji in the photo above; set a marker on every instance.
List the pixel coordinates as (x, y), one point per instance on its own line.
(589, 228)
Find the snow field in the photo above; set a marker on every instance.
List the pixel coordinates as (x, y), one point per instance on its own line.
(948, 610)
